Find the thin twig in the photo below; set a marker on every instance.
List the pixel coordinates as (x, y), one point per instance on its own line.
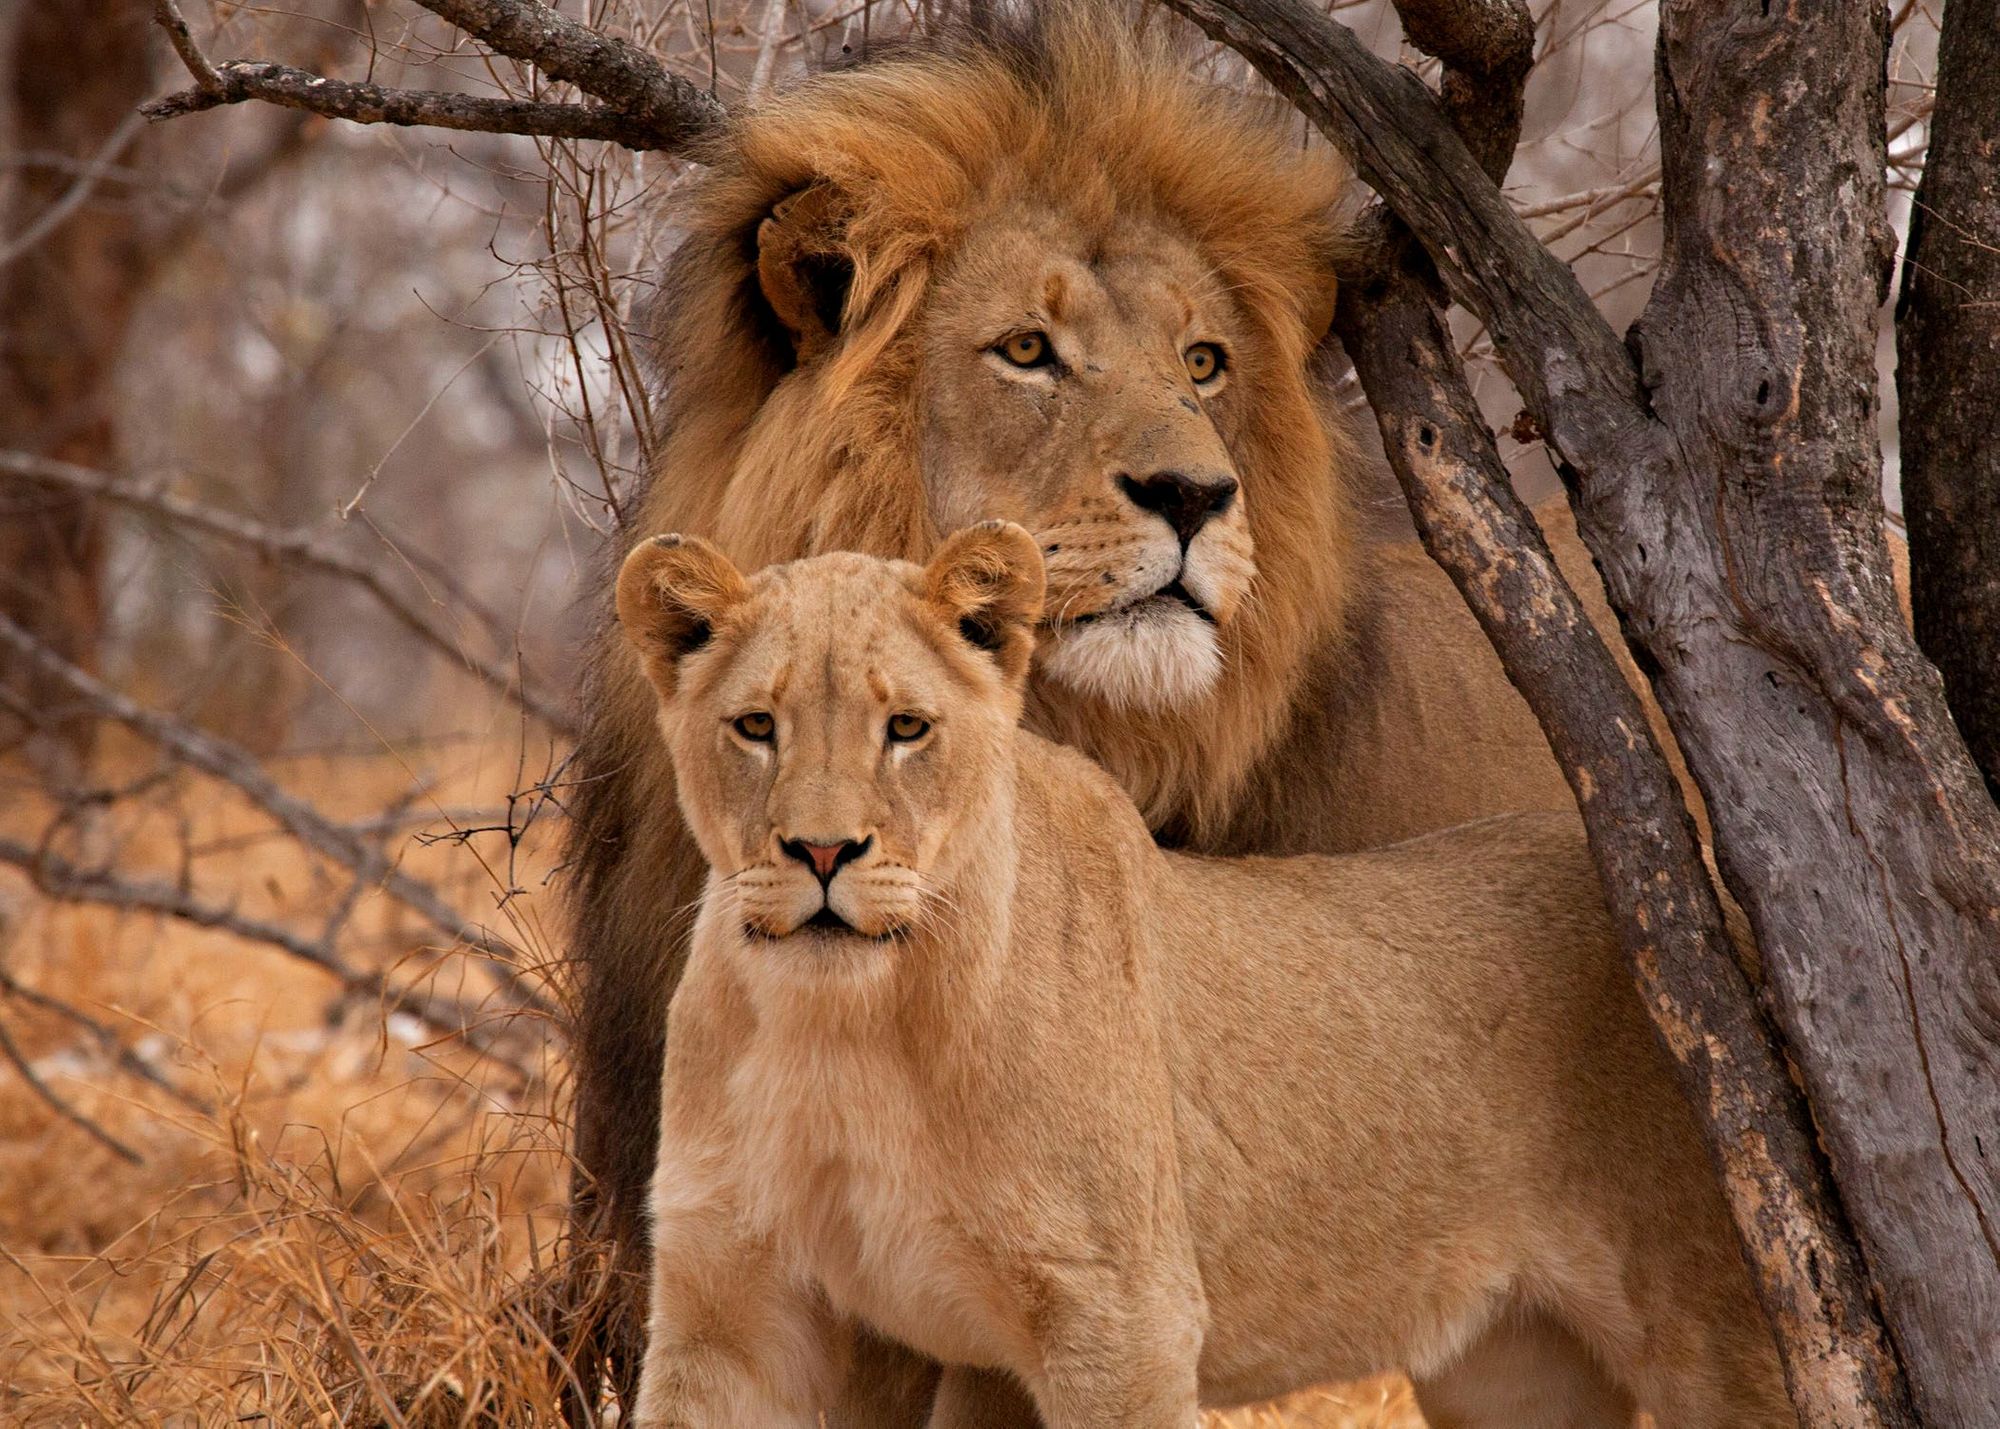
(57, 878)
(61, 1107)
(296, 547)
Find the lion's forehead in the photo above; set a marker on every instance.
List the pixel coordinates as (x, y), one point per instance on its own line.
(837, 631)
(1143, 280)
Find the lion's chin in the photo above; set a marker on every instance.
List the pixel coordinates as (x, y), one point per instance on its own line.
(1157, 656)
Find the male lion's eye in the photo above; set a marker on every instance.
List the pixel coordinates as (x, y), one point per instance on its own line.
(1204, 361)
(904, 728)
(1028, 349)
(756, 726)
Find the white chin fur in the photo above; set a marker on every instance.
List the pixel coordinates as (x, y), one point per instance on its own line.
(1147, 659)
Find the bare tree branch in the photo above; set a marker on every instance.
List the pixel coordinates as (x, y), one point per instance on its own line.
(362, 103)
(66, 882)
(643, 105)
(303, 548)
(52, 217)
(107, 1040)
(619, 73)
(61, 1107)
(167, 15)
(771, 30)
(1487, 48)
(240, 768)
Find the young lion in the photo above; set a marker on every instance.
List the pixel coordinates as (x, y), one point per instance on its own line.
(962, 1056)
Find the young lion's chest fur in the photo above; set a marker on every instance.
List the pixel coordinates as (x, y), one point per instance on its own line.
(833, 1149)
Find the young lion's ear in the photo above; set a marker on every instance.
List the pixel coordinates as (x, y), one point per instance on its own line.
(671, 592)
(804, 266)
(987, 580)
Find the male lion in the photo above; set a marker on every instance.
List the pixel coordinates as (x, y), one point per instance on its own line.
(961, 1055)
(1038, 275)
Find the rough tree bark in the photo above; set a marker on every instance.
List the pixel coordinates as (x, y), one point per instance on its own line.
(1726, 477)
(65, 298)
(1948, 376)
(1391, 321)
(641, 105)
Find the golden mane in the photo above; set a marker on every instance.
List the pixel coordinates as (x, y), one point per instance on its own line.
(1064, 116)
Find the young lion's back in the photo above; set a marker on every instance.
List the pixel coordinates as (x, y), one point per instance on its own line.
(1417, 1086)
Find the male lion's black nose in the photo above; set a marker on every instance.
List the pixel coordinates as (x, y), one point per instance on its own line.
(1187, 503)
(826, 857)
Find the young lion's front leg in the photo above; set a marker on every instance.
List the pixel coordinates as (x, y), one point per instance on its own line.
(1121, 1354)
(733, 1339)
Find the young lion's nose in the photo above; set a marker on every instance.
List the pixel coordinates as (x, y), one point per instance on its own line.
(825, 858)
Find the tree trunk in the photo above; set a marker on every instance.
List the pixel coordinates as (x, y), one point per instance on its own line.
(72, 87)
(1849, 819)
(1726, 477)
(1948, 375)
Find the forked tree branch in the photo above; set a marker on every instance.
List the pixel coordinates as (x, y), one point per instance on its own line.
(238, 767)
(641, 105)
(361, 103)
(298, 547)
(66, 882)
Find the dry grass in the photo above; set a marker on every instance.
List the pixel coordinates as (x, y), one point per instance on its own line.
(335, 1220)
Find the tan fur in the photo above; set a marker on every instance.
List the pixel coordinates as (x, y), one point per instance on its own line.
(1138, 1129)
(1073, 180)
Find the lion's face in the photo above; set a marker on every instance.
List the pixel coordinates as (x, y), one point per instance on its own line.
(836, 725)
(1086, 393)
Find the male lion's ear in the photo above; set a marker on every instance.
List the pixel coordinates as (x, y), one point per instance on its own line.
(1317, 308)
(804, 267)
(987, 580)
(671, 592)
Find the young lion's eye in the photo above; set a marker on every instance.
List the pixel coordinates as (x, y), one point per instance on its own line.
(1028, 349)
(1204, 361)
(904, 728)
(756, 726)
